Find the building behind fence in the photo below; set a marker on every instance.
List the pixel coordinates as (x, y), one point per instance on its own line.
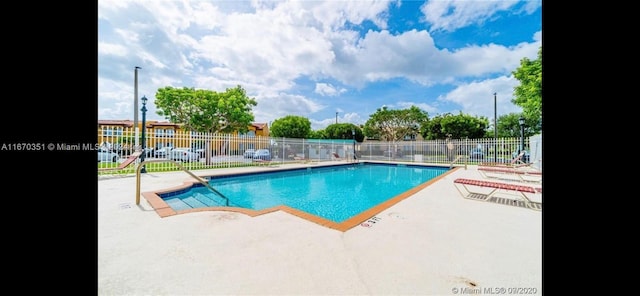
(228, 150)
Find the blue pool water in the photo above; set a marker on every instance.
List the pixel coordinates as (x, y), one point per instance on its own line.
(336, 193)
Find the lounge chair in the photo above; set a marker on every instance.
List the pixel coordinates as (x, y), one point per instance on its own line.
(516, 162)
(511, 174)
(493, 191)
(125, 163)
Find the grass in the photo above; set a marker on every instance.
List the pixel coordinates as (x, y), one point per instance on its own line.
(192, 166)
(167, 167)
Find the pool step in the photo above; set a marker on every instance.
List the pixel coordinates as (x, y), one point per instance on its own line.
(206, 200)
(177, 204)
(194, 202)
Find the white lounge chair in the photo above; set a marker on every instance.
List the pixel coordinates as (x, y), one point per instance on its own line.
(487, 190)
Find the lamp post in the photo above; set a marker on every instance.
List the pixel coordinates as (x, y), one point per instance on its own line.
(144, 139)
(495, 127)
(135, 106)
(336, 117)
(521, 121)
(353, 133)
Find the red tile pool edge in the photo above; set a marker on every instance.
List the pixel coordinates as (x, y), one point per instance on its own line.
(164, 210)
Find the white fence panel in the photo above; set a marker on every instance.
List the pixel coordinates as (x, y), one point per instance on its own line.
(226, 150)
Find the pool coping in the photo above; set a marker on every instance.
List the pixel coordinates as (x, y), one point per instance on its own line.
(164, 210)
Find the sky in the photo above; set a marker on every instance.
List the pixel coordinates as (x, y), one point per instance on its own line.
(326, 61)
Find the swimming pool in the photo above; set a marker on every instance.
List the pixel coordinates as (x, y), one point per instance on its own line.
(331, 195)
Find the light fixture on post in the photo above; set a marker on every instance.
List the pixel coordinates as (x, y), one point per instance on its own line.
(144, 139)
(353, 133)
(521, 121)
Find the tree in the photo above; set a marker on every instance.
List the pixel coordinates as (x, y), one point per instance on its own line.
(291, 126)
(455, 126)
(509, 126)
(343, 131)
(528, 94)
(205, 110)
(319, 134)
(395, 125)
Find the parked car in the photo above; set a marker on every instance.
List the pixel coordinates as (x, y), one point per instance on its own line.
(476, 154)
(162, 152)
(249, 153)
(263, 154)
(184, 154)
(107, 156)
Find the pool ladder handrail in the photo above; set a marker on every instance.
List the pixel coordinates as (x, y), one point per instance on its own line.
(202, 181)
(466, 160)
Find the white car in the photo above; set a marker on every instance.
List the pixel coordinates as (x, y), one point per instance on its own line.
(162, 152)
(108, 156)
(184, 154)
(262, 154)
(249, 153)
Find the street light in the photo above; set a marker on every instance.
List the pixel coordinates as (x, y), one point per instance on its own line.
(144, 139)
(353, 133)
(521, 121)
(135, 106)
(495, 127)
(336, 117)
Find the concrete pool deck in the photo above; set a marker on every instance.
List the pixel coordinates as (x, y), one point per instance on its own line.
(434, 242)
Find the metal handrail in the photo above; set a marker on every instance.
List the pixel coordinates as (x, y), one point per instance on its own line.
(466, 159)
(202, 181)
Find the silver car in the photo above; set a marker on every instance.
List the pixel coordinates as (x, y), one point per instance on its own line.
(249, 153)
(162, 152)
(107, 156)
(262, 154)
(184, 154)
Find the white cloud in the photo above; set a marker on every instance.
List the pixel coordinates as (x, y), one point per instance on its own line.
(423, 106)
(412, 55)
(381, 56)
(112, 49)
(352, 117)
(333, 15)
(280, 105)
(449, 15)
(326, 89)
(492, 58)
(281, 51)
(476, 98)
